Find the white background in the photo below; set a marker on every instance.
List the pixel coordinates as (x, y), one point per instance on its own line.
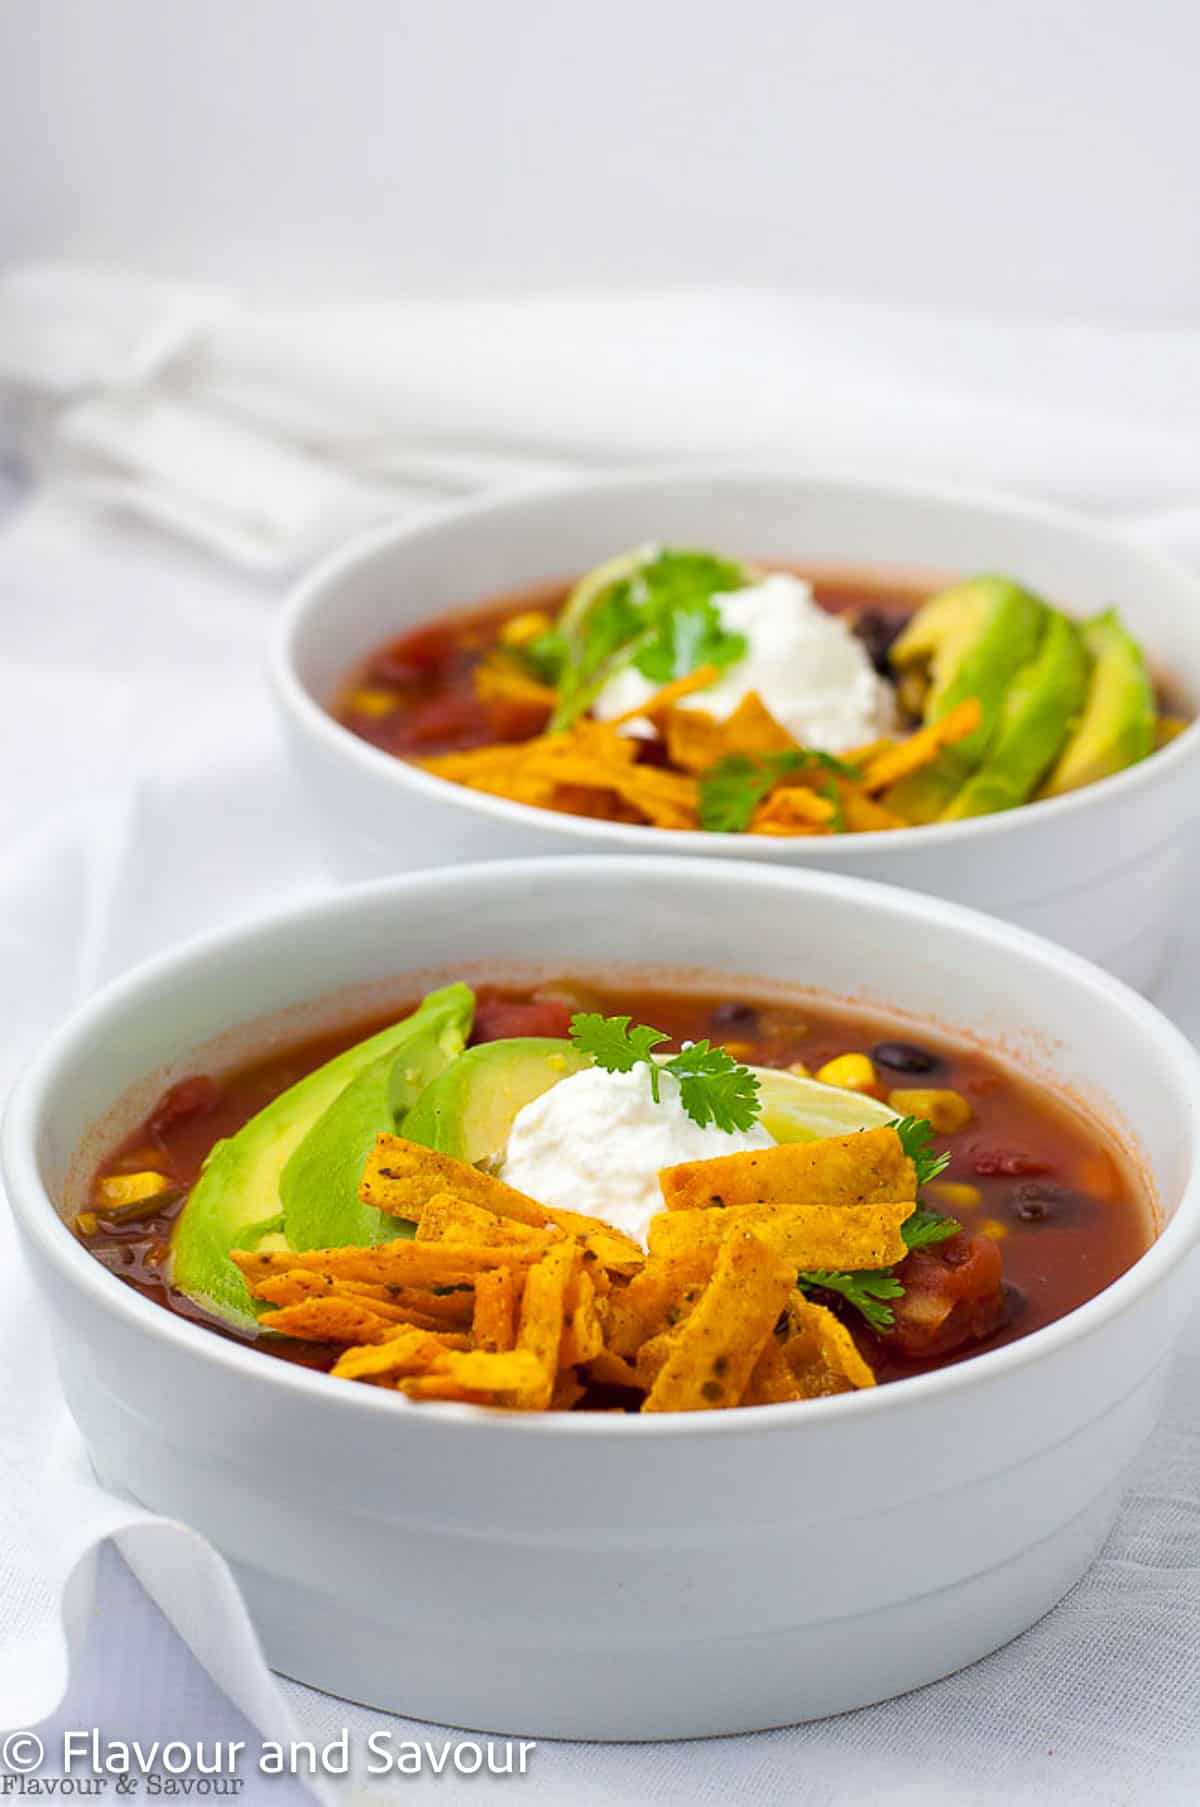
(1025, 155)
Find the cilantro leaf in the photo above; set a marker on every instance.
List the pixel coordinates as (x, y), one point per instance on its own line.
(731, 790)
(544, 656)
(611, 1041)
(924, 1227)
(863, 1289)
(916, 1137)
(713, 1087)
(660, 618)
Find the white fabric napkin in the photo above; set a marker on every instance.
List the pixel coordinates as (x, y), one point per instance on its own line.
(266, 430)
(149, 799)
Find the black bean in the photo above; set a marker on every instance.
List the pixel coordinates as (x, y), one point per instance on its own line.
(905, 1057)
(734, 1015)
(1043, 1201)
(1016, 1303)
(878, 633)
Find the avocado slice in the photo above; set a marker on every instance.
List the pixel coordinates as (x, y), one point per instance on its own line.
(238, 1191)
(319, 1183)
(468, 1112)
(1043, 702)
(1119, 719)
(968, 641)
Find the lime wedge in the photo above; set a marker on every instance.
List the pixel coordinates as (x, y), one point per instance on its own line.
(803, 1110)
(593, 583)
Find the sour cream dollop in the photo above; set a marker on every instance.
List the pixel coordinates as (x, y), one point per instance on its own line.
(810, 670)
(595, 1143)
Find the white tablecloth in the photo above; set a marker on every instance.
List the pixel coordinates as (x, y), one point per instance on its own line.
(146, 798)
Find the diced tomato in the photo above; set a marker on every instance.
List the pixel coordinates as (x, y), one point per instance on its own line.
(1009, 1163)
(190, 1098)
(451, 722)
(498, 1018)
(953, 1294)
(428, 652)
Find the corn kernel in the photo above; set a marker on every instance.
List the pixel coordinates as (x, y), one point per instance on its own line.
(945, 1111)
(957, 1194)
(853, 1072)
(128, 1188)
(992, 1226)
(799, 1069)
(86, 1223)
(371, 702)
(524, 628)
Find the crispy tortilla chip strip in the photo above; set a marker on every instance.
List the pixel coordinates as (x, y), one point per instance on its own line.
(495, 1299)
(447, 1310)
(399, 1305)
(292, 1288)
(329, 1320)
(830, 1236)
(568, 1391)
(419, 1264)
(862, 815)
(401, 1177)
(611, 1370)
(697, 740)
(713, 1354)
(821, 1353)
(542, 1310)
(771, 1381)
(792, 810)
(410, 1352)
(656, 1299)
(583, 1335)
(652, 1358)
(601, 1243)
(668, 696)
(923, 747)
(452, 1220)
(868, 1167)
(512, 1373)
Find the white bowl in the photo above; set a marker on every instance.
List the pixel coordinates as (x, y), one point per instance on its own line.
(1098, 870)
(619, 1577)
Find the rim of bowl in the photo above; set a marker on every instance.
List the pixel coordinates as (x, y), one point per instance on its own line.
(32, 1204)
(314, 719)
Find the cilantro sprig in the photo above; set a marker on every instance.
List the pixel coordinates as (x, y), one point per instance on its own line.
(916, 1138)
(713, 1087)
(661, 619)
(867, 1291)
(731, 790)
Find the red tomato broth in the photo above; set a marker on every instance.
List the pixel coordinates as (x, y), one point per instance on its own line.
(1069, 1213)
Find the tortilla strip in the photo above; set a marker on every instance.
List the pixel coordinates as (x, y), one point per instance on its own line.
(862, 815)
(329, 1320)
(829, 1236)
(868, 1167)
(492, 1326)
(923, 747)
(793, 810)
(412, 1352)
(696, 740)
(401, 1177)
(583, 1335)
(656, 1299)
(420, 1264)
(610, 1370)
(820, 1352)
(713, 1354)
(771, 1380)
(540, 1330)
(449, 1219)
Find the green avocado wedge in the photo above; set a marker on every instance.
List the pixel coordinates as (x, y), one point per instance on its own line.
(319, 1183)
(240, 1185)
(468, 1112)
(1117, 726)
(968, 641)
(1039, 711)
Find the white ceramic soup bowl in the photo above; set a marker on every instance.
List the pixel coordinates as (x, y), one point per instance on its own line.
(1097, 870)
(615, 1576)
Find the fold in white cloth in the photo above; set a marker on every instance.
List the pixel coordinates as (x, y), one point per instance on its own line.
(269, 430)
